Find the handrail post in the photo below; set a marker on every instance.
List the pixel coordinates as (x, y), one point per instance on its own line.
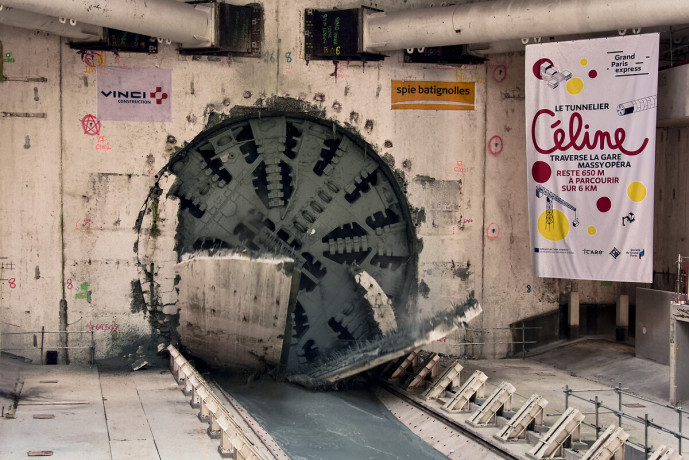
(597, 429)
(466, 340)
(566, 397)
(679, 438)
(523, 340)
(42, 338)
(645, 435)
(619, 404)
(93, 348)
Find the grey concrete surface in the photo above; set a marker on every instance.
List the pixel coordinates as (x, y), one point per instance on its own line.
(653, 324)
(610, 363)
(233, 309)
(584, 364)
(587, 365)
(106, 414)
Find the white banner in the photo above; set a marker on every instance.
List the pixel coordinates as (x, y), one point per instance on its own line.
(590, 146)
(134, 94)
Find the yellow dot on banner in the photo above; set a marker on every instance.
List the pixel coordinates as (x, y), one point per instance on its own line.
(575, 85)
(592, 230)
(554, 229)
(583, 61)
(636, 191)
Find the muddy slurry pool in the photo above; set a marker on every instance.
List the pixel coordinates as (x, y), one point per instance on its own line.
(348, 425)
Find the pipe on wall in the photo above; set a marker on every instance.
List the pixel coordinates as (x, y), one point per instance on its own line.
(34, 21)
(500, 20)
(178, 22)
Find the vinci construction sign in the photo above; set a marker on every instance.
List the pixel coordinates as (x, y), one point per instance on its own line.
(432, 95)
(134, 94)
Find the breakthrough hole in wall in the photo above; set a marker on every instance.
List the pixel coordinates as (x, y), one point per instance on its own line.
(302, 187)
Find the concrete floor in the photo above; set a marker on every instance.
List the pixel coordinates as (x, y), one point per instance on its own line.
(583, 365)
(103, 413)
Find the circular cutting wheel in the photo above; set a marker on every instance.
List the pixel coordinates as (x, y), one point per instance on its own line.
(303, 188)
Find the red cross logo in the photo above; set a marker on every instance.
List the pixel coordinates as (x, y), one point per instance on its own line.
(159, 99)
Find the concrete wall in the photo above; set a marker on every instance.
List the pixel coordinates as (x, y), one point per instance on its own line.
(671, 205)
(679, 358)
(653, 324)
(69, 208)
(233, 309)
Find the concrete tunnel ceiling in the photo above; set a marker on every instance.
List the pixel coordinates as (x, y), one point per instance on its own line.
(305, 188)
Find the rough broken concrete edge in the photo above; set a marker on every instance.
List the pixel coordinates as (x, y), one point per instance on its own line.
(208, 254)
(463, 314)
(284, 106)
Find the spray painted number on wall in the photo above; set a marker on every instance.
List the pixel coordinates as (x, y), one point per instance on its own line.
(68, 284)
(101, 327)
(269, 56)
(12, 283)
(102, 145)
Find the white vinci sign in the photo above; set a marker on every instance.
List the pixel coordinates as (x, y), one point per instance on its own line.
(134, 94)
(590, 147)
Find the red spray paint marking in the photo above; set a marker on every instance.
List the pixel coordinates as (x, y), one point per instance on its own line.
(495, 145)
(91, 125)
(493, 231)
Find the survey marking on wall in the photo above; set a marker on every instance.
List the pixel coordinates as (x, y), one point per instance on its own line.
(460, 167)
(4, 267)
(102, 144)
(93, 59)
(495, 145)
(91, 125)
(493, 231)
(83, 225)
(101, 327)
(85, 293)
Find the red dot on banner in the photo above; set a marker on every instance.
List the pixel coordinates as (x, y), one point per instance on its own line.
(537, 67)
(541, 171)
(603, 204)
(593, 74)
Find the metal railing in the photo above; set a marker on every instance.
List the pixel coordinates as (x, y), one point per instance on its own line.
(622, 415)
(469, 333)
(43, 347)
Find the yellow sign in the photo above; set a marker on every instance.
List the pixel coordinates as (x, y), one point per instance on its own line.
(432, 95)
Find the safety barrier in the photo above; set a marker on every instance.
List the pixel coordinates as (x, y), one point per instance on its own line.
(608, 445)
(488, 413)
(471, 389)
(530, 413)
(552, 443)
(63, 337)
(233, 442)
(449, 377)
(621, 415)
